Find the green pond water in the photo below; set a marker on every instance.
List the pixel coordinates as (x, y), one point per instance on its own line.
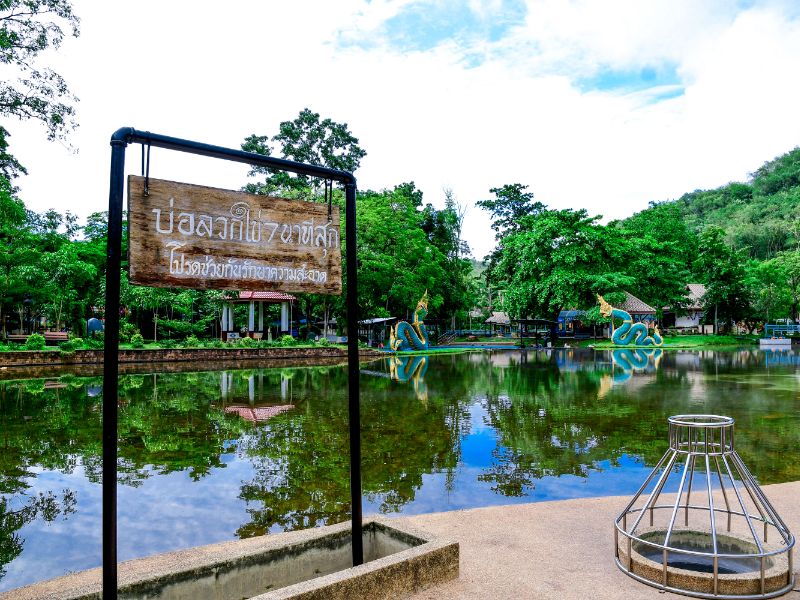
(216, 455)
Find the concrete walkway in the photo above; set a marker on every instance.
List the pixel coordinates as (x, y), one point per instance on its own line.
(555, 550)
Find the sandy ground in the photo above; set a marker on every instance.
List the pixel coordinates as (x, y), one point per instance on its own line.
(560, 550)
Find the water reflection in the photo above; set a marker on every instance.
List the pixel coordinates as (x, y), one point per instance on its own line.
(218, 455)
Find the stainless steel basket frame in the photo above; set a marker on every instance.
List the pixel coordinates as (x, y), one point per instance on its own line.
(706, 442)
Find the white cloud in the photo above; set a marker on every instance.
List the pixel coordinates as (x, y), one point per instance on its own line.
(195, 71)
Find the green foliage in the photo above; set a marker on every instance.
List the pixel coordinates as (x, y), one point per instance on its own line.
(127, 331)
(510, 204)
(27, 29)
(779, 174)
(727, 292)
(287, 340)
(71, 345)
(323, 341)
(35, 341)
(191, 342)
(248, 342)
(305, 139)
(556, 259)
(137, 341)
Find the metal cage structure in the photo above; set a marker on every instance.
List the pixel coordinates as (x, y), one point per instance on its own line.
(700, 524)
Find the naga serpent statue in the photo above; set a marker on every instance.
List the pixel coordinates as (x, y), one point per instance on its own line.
(411, 336)
(629, 333)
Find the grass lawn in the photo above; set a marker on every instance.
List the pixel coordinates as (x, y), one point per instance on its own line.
(436, 351)
(686, 341)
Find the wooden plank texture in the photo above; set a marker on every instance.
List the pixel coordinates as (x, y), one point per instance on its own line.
(190, 236)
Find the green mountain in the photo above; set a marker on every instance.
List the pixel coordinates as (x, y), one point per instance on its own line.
(762, 215)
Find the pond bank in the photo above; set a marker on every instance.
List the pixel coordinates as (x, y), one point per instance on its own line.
(559, 550)
(177, 359)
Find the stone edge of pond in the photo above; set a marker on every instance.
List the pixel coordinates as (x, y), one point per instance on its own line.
(29, 358)
(430, 560)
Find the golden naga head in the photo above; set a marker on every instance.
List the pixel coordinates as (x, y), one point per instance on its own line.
(423, 302)
(605, 307)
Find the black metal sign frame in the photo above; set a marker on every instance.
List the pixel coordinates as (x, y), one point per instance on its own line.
(119, 142)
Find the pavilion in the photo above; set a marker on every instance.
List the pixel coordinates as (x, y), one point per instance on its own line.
(229, 330)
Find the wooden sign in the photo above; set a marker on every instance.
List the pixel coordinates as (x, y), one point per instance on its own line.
(191, 236)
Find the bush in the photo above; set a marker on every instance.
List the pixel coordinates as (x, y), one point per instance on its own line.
(127, 331)
(96, 342)
(70, 346)
(168, 344)
(216, 344)
(287, 340)
(35, 341)
(247, 342)
(137, 341)
(191, 342)
(323, 342)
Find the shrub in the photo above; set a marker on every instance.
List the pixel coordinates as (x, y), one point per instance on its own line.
(35, 341)
(168, 344)
(96, 342)
(70, 346)
(216, 344)
(127, 331)
(190, 342)
(323, 342)
(137, 341)
(287, 340)
(247, 342)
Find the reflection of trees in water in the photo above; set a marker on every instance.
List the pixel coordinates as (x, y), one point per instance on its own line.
(553, 413)
(47, 506)
(556, 420)
(302, 457)
(166, 424)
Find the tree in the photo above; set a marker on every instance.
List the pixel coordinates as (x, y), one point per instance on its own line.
(27, 28)
(510, 205)
(16, 249)
(397, 261)
(788, 264)
(443, 228)
(661, 252)
(558, 259)
(10, 168)
(306, 139)
(727, 294)
(770, 294)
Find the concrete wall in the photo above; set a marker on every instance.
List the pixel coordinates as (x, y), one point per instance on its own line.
(313, 564)
(89, 357)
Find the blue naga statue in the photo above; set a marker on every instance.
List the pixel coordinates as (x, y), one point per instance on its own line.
(629, 333)
(411, 336)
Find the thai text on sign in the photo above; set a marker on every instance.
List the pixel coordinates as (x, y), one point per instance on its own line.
(184, 235)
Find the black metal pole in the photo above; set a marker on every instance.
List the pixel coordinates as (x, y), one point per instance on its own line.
(353, 404)
(110, 368)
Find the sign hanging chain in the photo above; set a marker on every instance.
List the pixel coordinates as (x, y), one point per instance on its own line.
(146, 170)
(329, 198)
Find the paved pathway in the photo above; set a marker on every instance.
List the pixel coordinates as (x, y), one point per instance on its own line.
(555, 550)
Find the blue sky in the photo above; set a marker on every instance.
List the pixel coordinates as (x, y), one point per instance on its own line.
(604, 105)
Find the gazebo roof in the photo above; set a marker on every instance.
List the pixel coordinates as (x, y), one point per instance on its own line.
(635, 306)
(265, 297)
(499, 318)
(258, 414)
(695, 295)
